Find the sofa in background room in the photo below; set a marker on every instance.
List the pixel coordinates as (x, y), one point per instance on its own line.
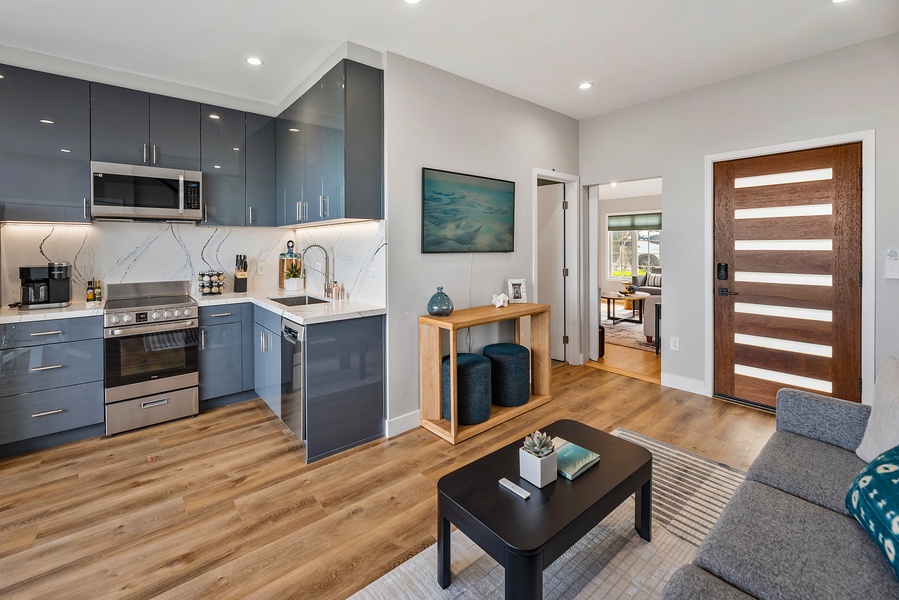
(650, 282)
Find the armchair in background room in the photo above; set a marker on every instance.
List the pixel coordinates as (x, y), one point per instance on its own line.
(651, 282)
(651, 321)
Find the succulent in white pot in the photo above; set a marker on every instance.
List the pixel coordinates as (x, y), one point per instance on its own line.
(537, 459)
(292, 274)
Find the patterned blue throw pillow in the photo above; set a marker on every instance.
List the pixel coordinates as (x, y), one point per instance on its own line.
(874, 501)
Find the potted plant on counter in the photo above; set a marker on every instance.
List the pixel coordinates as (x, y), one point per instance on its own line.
(292, 274)
(537, 459)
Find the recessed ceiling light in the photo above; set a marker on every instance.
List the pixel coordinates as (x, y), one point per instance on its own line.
(236, 149)
(216, 166)
(47, 121)
(1, 76)
(614, 184)
(254, 61)
(586, 85)
(66, 150)
(214, 116)
(293, 130)
(838, 1)
(412, 1)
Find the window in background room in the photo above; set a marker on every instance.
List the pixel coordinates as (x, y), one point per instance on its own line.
(633, 250)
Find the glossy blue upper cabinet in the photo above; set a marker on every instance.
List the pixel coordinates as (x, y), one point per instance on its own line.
(224, 166)
(261, 170)
(137, 128)
(44, 146)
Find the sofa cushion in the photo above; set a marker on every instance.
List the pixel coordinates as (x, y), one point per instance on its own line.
(873, 500)
(692, 583)
(654, 279)
(770, 544)
(813, 470)
(882, 432)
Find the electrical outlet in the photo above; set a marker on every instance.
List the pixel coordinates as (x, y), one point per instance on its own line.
(260, 269)
(675, 343)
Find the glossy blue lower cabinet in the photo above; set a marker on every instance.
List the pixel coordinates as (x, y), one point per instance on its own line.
(35, 414)
(219, 358)
(267, 362)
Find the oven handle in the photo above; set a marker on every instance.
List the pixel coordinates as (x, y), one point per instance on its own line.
(154, 403)
(180, 191)
(114, 332)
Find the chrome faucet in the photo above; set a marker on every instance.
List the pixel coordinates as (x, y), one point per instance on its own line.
(326, 272)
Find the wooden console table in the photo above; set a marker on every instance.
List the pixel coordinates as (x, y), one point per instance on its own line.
(430, 359)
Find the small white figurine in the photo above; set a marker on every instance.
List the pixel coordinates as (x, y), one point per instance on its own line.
(500, 301)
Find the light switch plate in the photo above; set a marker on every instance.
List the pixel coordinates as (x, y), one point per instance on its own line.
(892, 264)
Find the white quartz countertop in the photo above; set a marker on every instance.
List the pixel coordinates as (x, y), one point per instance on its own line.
(304, 315)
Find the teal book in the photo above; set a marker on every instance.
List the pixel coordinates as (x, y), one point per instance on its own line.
(573, 460)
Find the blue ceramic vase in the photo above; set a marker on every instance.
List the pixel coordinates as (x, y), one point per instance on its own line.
(440, 304)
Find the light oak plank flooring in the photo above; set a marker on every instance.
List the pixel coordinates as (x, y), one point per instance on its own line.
(631, 362)
(223, 506)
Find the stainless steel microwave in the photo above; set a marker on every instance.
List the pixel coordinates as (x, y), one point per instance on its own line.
(140, 192)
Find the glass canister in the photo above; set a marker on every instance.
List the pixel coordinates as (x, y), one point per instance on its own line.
(440, 304)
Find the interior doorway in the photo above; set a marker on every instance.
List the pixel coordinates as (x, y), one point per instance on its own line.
(558, 255)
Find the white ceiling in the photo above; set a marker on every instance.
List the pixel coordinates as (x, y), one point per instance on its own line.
(632, 50)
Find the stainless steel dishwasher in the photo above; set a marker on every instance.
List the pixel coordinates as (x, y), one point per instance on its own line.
(293, 377)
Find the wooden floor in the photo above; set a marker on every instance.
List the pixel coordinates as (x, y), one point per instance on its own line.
(222, 506)
(631, 362)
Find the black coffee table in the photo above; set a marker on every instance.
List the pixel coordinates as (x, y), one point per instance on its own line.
(526, 536)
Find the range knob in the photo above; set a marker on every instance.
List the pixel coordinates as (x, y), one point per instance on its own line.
(126, 318)
(187, 312)
(155, 315)
(177, 313)
(114, 319)
(166, 314)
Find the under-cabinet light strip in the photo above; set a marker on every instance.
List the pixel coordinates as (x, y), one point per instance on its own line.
(782, 178)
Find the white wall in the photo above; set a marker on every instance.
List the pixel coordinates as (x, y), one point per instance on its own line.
(850, 90)
(435, 119)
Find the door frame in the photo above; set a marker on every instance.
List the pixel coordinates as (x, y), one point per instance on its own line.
(575, 319)
(868, 246)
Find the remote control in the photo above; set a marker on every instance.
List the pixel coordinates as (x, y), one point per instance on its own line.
(515, 488)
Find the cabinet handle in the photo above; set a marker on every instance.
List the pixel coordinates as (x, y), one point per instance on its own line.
(205, 213)
(154, 154)
(221, 315)
(262, 342)
(85, 209)
(48, 413)
(51, 367)
(154, 403)
(39, 333)
(145, 154)
(202, 339)
(298, 212)
(328, 209)
(251, 215)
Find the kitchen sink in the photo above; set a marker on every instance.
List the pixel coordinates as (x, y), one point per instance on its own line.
(299, 300)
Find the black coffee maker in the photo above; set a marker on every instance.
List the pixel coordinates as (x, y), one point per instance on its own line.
(46, 287)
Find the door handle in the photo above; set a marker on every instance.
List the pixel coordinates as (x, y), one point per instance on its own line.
(722, 291)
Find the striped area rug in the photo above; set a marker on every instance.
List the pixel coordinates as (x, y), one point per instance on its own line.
(611, 561)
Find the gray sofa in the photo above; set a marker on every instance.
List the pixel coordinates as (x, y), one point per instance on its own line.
(786, 532)
(640, 282)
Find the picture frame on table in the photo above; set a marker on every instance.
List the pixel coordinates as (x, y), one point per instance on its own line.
(517, 291)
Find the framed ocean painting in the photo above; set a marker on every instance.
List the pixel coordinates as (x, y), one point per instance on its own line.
(466, 213)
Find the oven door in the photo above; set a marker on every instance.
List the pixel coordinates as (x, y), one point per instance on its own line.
(150, 359)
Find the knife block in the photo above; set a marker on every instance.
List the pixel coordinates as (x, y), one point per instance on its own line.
(240, 281)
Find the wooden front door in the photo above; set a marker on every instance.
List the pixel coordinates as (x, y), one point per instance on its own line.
(787, 279)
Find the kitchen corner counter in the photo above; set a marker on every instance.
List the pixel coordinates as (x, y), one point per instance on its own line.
(76, 309)
(303, 315)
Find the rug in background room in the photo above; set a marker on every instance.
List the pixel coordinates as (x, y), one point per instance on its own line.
(611, 561)
(624, 333)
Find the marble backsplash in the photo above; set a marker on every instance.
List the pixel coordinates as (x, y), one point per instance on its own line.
(122, 252)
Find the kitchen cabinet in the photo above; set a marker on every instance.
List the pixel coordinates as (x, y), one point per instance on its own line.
(261, 147)
(344, 385)
(51, 377)
(44, 147)
(331, 145)
(267, 358)
(224, 166)
(136, 128)
(225, 359)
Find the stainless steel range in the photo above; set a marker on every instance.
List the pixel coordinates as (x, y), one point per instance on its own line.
(151, 338)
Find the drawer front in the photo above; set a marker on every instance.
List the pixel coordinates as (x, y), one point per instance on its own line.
(35, 368)
(216, 315)
(149, 410)
(35, 333)
(41, 413)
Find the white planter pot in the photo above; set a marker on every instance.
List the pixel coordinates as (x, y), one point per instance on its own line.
(292, 284)
(539, 471)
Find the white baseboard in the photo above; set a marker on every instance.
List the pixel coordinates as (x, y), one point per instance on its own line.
(695, 386)
(403, 423)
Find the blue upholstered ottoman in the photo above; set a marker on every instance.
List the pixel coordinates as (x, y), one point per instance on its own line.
(510, 366)
(473, 388)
